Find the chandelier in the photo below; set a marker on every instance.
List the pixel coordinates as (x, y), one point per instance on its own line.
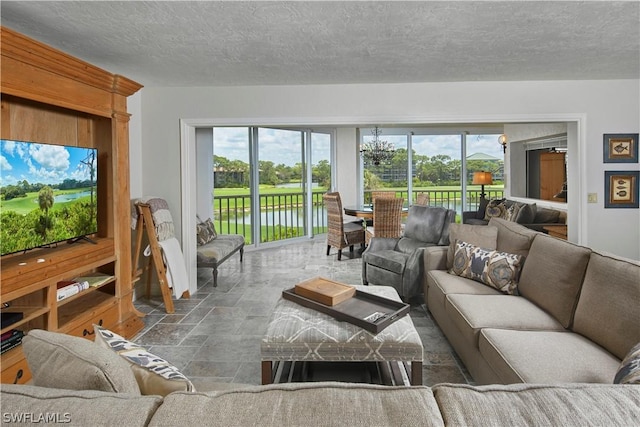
(377, 150)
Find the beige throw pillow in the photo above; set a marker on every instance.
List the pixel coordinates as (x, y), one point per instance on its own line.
(485, 236)
(155, 376)
(73, 363)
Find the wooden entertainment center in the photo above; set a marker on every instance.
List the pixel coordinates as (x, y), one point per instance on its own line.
(49, 96)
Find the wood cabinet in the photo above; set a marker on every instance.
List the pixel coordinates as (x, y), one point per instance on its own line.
(552, 175)
(49, 96)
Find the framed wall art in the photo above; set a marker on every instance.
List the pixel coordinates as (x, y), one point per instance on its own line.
(621, 189)
(620, 147)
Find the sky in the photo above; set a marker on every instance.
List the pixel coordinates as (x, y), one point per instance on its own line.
(283, 146)
(40, 163)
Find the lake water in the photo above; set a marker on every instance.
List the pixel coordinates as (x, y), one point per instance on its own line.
(62, 198)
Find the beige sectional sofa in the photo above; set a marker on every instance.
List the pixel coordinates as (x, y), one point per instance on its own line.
(576, 315)
(332, 404)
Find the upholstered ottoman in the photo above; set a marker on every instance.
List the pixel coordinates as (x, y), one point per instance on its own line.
(297, 333)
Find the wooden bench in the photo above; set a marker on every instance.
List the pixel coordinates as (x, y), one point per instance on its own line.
(217, 251)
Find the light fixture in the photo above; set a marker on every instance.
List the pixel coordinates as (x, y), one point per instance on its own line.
(482, 178)
(377, 150)
(502, 140)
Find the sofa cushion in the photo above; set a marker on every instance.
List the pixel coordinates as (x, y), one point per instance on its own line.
(546, 216)
(483, 236)
(472, 313)
(155, 376)
(538, 405)
(218, 249)
(552, 276)
(545, 357)
(629, 371)
(440, 284)
(78, 408)
(608, 310)
(297, 404)
(64, 361)
(512, 237)
(527, 213)
(408, 245)
(493, 268)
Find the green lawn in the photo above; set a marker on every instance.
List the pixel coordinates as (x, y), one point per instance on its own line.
(232, 201)
(24, 205)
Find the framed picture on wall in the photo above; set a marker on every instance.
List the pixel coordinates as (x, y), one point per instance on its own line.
(621, 189)
(620, 147)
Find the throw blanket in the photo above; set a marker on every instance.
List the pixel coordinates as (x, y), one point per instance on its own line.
(161, 216)
(176, 270)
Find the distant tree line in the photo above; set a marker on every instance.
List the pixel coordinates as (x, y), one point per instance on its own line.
(440, 169)
(236, 173)
(13, 191)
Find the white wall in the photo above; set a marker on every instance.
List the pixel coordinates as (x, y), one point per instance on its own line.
(204, 166)
(605, 106)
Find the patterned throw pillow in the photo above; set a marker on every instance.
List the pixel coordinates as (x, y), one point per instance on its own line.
(629, 371)
(499, 270)
(155, 376)
(496, 208)
(512, 212)
(206, 232)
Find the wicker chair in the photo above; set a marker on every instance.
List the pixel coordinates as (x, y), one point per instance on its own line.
(340, 234)
(387, 218)
(422, 199)
(380, 194)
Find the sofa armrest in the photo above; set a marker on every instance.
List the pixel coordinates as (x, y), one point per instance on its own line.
(467, 215)
(382, 244)
(435, 258)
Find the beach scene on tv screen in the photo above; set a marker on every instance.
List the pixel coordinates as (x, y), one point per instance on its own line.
(48, 194)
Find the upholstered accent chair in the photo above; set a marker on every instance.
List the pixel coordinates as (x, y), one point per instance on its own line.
(387, 218)
(340, 232)
(399, 262)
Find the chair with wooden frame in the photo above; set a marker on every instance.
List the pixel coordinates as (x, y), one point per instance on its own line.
(387, 218)
(422, 199)
(378, 194)
(340, 234)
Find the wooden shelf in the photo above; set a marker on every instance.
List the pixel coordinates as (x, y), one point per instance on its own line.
(49, 96)
(89, 303)
(30, 313)
(82, 294)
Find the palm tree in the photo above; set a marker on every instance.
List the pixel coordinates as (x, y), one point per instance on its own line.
(45, 201)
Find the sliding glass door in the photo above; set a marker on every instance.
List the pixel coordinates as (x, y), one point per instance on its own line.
(268, 182)
(281, 183)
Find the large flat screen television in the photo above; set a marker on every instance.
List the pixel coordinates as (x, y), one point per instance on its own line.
(48, 194)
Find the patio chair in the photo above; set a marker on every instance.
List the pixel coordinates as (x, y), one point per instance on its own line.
(341, 233)
(387, 219)
(399, 262)
(422, 199)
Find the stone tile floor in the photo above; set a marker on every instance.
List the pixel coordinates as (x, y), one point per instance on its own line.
(215, 335)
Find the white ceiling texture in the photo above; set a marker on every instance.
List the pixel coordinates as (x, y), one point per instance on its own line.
(228, 43)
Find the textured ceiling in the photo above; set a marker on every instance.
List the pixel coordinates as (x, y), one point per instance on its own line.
(185, 43)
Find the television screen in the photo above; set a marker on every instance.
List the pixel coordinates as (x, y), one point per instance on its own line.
(48, 194)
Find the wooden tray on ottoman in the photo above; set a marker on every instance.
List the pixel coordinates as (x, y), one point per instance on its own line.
(370, 312)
